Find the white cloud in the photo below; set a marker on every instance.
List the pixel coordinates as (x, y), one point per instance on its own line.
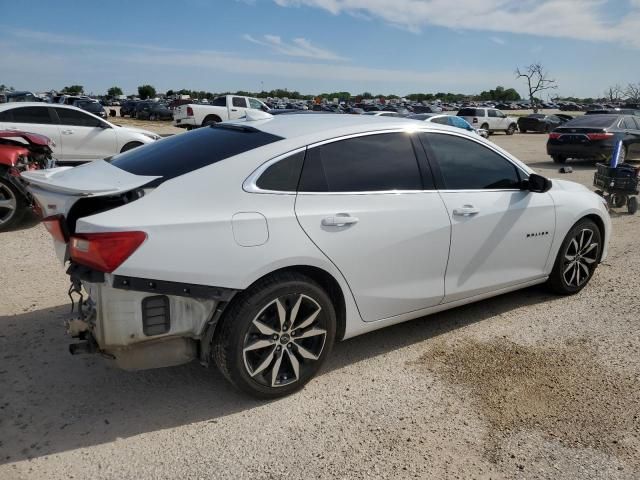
(498, 40)
(576, 19)
(300, 47)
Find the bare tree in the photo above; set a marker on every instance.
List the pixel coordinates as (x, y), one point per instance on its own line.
(537, 81)
(633, 92)
(614, 93)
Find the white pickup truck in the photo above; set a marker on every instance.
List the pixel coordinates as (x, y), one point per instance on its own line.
(228, 107)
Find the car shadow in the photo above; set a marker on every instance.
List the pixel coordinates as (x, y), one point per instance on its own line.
(52, 402)
(28, 220)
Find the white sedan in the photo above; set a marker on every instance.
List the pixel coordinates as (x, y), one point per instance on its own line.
(257, 244)
(78, 136)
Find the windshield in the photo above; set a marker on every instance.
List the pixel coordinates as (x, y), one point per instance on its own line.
(184, 153)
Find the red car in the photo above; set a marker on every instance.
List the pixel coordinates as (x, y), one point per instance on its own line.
(19, 152)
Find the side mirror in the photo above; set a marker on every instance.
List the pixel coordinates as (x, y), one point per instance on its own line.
(104, 126)
(537, 183)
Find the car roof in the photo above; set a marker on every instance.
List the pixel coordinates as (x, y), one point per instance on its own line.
(318, 127)
(8, 106)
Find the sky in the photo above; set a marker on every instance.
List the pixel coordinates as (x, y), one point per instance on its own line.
(314, 46)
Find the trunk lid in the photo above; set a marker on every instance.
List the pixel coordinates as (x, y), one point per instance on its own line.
(58, 189)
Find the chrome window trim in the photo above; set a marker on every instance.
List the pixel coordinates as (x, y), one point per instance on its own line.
(250, 184)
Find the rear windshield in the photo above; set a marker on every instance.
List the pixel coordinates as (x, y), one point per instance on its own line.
(91, 106)
(467, 112)
(186, 152)
(597, 121)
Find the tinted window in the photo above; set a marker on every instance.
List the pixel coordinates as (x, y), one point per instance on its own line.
(283, 175)
(361, 164)
(493, 113)
(637, 120)
(219, 102)
(5, 116)
(469, 112)
(629, 123)
(184, 153)
(467, 165)
(253, 103)
(31, 115)
(239, 102)
(76, 118)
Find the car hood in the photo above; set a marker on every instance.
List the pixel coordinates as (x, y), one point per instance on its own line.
(568, 186)
(140, 130)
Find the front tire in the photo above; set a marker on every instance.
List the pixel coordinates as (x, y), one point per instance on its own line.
(275, 336)
(577, 258)
(511, 130)
(12, 205)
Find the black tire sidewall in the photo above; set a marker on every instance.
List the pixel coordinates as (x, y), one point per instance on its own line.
(240, 319)
(556, 279)
(21, 206)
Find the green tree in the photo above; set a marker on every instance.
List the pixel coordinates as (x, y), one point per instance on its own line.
(146, 91)
(114, 92)
(73, 90)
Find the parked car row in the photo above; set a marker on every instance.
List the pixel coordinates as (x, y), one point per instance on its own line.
(145, 110)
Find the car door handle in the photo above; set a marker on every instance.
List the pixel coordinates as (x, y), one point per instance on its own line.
(67, 132)
(466, 211)
(234, 109)
(339, 220)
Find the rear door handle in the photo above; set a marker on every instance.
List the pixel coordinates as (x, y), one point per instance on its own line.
(466, 211)
(339, 220)
(67, 132)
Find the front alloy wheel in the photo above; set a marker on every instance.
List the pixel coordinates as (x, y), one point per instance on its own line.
(577, 259)
(275, 336)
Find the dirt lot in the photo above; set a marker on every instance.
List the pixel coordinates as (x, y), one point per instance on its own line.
(527, 385)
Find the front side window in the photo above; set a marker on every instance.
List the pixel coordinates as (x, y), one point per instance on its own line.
(493, 113)
(362, 164)
(76, 119)
(32, 115)
(239, 102)
(468, 165)
(253, 103)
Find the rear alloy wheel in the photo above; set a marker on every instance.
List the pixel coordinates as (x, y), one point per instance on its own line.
(559, 158)
(577, 259)
(12, 205)
(275, 337)
(485, 126)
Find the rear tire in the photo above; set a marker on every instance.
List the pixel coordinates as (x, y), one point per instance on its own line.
(577, 258)
(523, 130)
(130, 146)
(559, 158)
(268, 347)
(632, 205)
(485, 126)
(12, 205)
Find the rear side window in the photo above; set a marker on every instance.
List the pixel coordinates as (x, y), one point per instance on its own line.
(32, 115)
(5, 116)
(363, 164)
(468, 112)
(629, 123)
(467, 165)
(219, 102)
(239, 102)
(184, 153)
(283, 175)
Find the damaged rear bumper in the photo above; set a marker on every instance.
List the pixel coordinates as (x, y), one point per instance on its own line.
(143, 323)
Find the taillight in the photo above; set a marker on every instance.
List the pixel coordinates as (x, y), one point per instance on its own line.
(599, 136)
(189, 112)
(56, 227)
(105, 251)
(554, 135)
(475, 120)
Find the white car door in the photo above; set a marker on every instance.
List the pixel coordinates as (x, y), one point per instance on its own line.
(36, 120)
(363, 202)
(238, 107)
(500, 235)
(85, 137)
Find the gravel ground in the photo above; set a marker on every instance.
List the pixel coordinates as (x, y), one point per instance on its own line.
(526, 385)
